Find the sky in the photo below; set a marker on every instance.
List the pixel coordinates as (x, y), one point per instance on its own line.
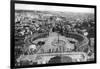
(53, 8)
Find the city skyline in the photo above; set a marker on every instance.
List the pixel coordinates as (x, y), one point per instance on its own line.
(53, 8)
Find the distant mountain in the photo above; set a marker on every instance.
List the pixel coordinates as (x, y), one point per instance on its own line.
(67, 15)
